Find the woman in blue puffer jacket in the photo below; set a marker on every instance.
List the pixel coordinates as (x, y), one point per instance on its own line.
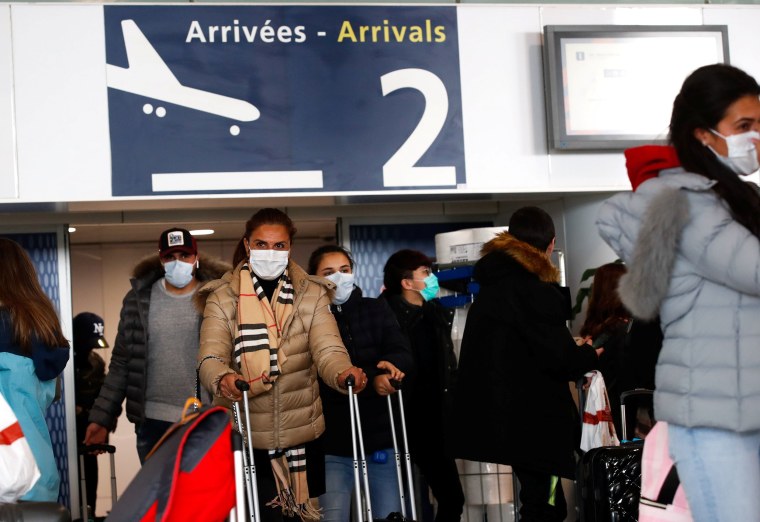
(690, 235)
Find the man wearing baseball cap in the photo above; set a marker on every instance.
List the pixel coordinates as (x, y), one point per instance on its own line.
(89, 374)
(154, 355)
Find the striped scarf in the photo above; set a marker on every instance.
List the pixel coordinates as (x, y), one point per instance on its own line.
(259, 333)
(259, 330)
(289, 469)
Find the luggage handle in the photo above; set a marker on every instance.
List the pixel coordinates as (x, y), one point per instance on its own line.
(89, 448)
(241, 385)
(625, 396)
(249, 467)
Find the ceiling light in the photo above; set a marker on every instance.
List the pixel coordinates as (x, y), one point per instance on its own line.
(202, 232)
(72, 229)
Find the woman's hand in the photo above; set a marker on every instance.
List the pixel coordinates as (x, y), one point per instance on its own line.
(382, 382)
(360, 378)
(227, 388)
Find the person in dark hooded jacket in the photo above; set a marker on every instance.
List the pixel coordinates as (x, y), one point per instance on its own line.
(512, 401)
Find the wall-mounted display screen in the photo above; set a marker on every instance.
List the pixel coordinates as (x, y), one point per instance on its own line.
(612, 86)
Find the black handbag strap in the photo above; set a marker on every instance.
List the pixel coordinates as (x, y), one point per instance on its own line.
(669, 487)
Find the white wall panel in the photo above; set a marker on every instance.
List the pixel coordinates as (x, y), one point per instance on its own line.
(502, 98)
(8, 173)
(61, 106)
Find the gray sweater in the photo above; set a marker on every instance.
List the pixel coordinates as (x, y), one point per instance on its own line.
(692, 262)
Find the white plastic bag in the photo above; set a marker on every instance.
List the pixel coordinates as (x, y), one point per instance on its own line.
(598, 428)
(18, 469)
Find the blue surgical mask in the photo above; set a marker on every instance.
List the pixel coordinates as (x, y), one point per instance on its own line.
(431, 287)
(178, 273)
(344, 285)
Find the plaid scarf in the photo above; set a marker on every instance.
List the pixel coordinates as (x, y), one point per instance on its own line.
(259, 330)
(258, 338)
(289, 469)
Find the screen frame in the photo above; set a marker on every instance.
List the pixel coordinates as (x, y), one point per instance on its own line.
(554, 36)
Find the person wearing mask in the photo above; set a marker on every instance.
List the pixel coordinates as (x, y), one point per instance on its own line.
(268, 323)
(33, 353)
(89, 375)
(377, 345)
(410, 289)
(154, 354)
(690, 235)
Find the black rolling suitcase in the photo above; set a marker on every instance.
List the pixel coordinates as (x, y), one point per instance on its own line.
(364, 509)
(83, 450)
(610, 477)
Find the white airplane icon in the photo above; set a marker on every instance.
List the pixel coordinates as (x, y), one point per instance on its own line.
(148, 75)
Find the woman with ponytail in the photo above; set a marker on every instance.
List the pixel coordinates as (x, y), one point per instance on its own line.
(690, 235)
(268, 322)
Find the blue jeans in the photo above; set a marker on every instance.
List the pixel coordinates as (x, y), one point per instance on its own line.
(339, 479)
(720, 472)
(148, 433)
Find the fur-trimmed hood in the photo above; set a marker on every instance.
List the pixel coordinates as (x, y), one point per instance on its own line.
(149, 269)
(527, 256)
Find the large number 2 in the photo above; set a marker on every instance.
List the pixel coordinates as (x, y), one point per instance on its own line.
(400, 171)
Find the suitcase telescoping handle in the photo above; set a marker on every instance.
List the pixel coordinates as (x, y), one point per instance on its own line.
(91, 448)
(238, 512)
(407, 459)
(248, 462)
(624, 398)
(356, 434)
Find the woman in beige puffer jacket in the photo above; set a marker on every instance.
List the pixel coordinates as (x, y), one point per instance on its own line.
(291, 412)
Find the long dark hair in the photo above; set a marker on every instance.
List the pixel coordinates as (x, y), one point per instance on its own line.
(265, 216)
(702, 103)
(32, 313)
(605, 310)
(322, 251)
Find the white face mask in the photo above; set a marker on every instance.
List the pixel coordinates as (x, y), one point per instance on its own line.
(269, 264)
(742, 154)
(344, 285)
(178, 273)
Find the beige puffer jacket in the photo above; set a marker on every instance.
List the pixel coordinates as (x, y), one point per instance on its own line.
(290, 413)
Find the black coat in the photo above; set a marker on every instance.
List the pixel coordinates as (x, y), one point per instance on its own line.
(512, 402)
(371, 334)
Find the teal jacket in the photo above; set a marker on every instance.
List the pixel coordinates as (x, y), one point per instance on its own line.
(29, 397)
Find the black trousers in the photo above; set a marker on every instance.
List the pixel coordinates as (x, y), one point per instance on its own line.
(438, 468)
(91, 474)
(541, 496)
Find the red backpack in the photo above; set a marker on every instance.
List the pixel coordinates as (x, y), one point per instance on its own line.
(189, 475)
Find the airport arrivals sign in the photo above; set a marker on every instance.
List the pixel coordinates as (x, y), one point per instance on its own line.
(272, 99)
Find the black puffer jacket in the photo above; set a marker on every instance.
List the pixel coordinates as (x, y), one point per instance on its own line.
(371, 334)
(127, 370)
(512, 403)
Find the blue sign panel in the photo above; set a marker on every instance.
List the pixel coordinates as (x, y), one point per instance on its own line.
(261, 99)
